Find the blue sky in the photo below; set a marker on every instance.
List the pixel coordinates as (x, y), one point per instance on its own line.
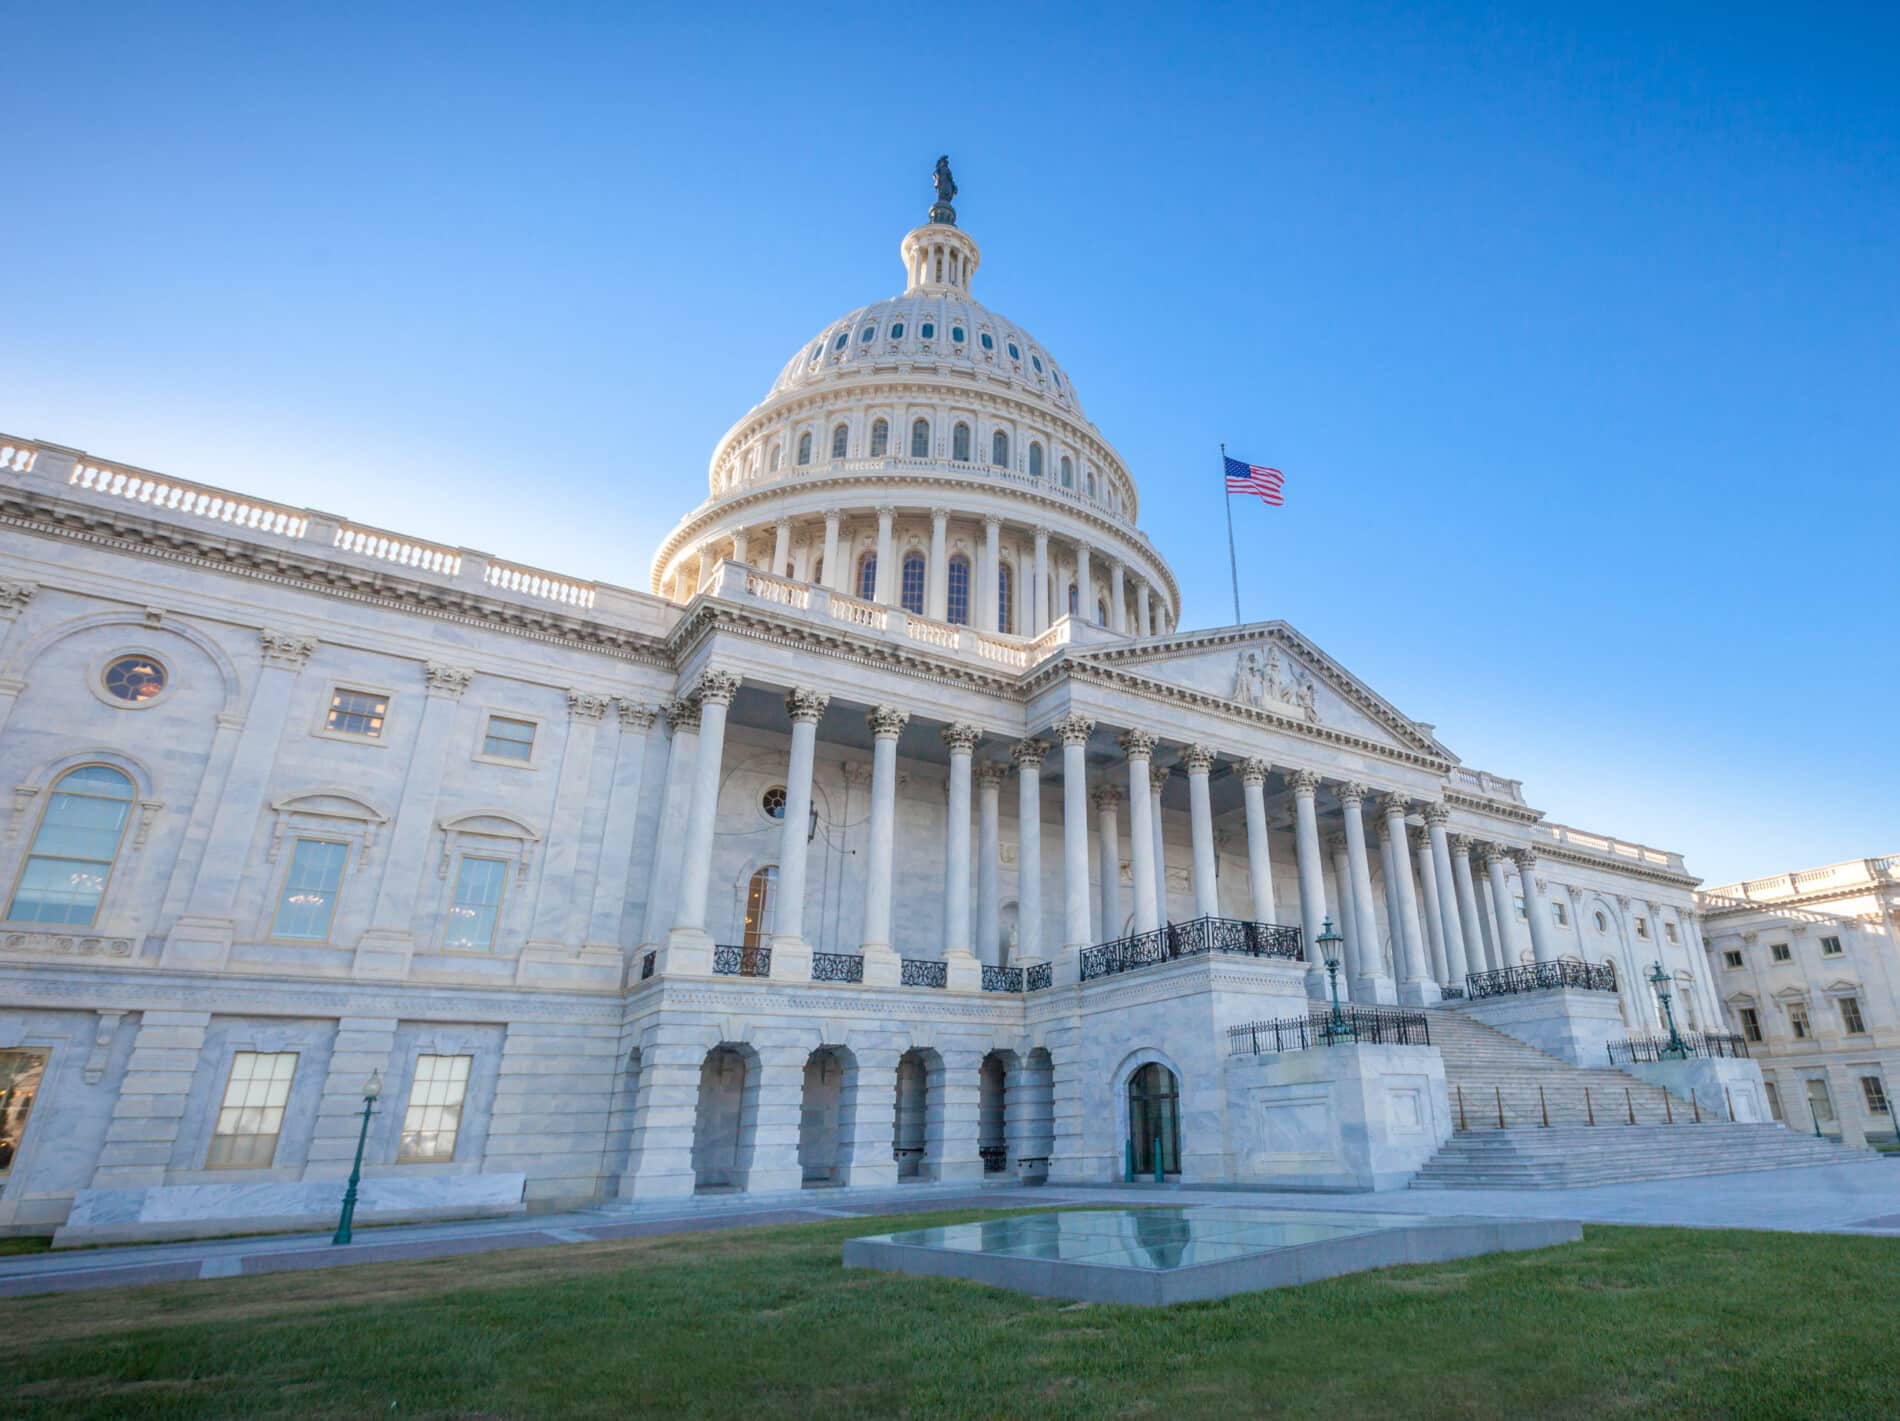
(1575, 333)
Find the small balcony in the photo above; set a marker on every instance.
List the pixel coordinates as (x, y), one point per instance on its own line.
(1194, 938)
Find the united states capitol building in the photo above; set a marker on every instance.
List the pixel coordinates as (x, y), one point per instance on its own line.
(893, 828)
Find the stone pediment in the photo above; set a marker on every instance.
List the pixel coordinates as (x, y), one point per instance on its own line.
(1267, 666)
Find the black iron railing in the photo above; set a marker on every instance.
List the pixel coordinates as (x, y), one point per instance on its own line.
(730, 961)
(1190, 939)
(1452, 994)
(837, 967)
(646, 965)
(1541, 976)
(1355, 1026)
(1002, 979)
(1039, 977)
(923, 972)
(1692, 1043)
(995, 1158)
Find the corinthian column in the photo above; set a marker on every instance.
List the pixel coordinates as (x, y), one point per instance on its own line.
(1541, 947)
(1157, 782)
(1138, 746)
(960, 739)
(937, 600)
(1312, 878)
(833, 575)
(1501, 898)
(1436, 816)
(1028, 757)
(806, 708)
(887, 723)
(1040, 593)
(989, 895)
(1371, 984)
(1108, 848)
(1417, 988)
(688, 945)
(1074, 731)
(1467, 903)
(1199, 760)
(1253, 780)
(1117, 589)
(1351, 948)
(990, 601)
(1433, 910)
(885, 583)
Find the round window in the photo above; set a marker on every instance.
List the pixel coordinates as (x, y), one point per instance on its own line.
(772, 802)
(135, 679)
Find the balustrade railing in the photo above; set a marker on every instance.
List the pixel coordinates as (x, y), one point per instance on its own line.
(1542, 976)
(1362, 1026)
(837, 967)
(1705, 1044)
(1040, 977)
(923, 972)
(1191, 939)
(730, 961)
(1002, 979)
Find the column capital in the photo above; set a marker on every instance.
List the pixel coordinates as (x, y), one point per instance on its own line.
(1335, 843)
(886, 511)
(585, 705)
(1253, 771)
(805, 705)
(15, 595)
(784, 523)
(682, 715)
(1576, 893)
(1199, 759)
(1437, 813)
(1028, 753)
(1390, 804)
(961, 736)
(1073, 729)
(285, 649)
(834, 515)
(634, 715)
(1158, 777)
(1461, 844)
(887, 722)
(1525, 859)
(991, 773)
(446, 680)
(992, 522)
(1353, 793)
(1419, 838)
(1304, 782)
(939, 515)
(1137, 744)
(716, 688)
(1042, 534)
(1106, 796)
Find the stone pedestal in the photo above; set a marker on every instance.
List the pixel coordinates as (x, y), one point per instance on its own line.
(1714, 1085)
(687, 952)
(882, 966)
(963, 972)
(1422, 993)
(197, 943)
(791, 959)
(1573, 1026)
(1348, 1118)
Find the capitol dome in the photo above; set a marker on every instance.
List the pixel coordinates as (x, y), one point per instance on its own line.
(922, 451)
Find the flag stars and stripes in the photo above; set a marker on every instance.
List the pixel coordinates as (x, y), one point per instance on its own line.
(1268, 485)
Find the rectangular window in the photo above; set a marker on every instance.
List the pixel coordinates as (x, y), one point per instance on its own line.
(310, 887)
(1557, 912)
(1731, 959)
(1642, 927)
(1522, 916)
(1669, 931)
(508, 739)
(1819, 1101)
(477, 904)
(1779, 952)
(1774, 1100)
(434, 1116)
(252, 1115)
(1830, 947)
(20, 1074)
(1851, 1017)
(1798, 1021)
(1876, 1092)
(1751, 1024)
(356, 713)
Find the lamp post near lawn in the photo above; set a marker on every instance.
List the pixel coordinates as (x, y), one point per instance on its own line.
(372, 1088)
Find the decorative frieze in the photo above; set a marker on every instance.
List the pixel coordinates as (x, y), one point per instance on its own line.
(446, 680)
(585, 705)
(286, 649)
(66, 944)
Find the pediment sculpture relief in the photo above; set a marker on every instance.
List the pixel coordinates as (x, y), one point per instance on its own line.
(1261, 679)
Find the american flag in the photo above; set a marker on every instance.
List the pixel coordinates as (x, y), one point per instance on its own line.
(1267, 484)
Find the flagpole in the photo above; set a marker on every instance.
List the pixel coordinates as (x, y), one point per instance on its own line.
(1233, 562)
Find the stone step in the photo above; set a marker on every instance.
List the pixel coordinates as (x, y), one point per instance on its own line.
(1569, 1157)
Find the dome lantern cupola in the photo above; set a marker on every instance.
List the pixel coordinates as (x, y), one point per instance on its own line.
(938, 258)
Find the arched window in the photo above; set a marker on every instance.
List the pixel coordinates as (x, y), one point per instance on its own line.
(999, 449)
(74, 848)
(839, 435)
(880, 438)
(1014, 354)
(1091, 484)
(1005, 602)
(988, 342)
(804, 447)
(1101, 612)
(771, 463)
(1035, 460)
(958, 602)
(1075, 600)
(844, 338)
(818, 569)
(1068, 472)
(867, 576)
(928, 330)
(920, 439)
(897, 330)
(956, 334)
(1036, 360)
(912, 590)
(759, 896)
(960, 444)
(866, 334)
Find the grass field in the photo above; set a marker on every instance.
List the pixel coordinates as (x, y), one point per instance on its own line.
(764, 1324)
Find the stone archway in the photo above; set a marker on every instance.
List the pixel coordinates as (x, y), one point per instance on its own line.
(725, 1118)
(992, 1113)
(918, 1070)
(1148, 1110)
(824, 1118)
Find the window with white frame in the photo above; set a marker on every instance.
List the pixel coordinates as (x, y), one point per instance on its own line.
(507, 738)
(356, 713)
(434, 1116)
(1874, 1091)
(1774, 1099)
(1731, 958)
(1522, 915)
(911, 583)
(957, 589)
(251, 1115)
(1780, 952)
(1669, 932)
(1798, 1021)
(1830, 947)
(1851, 1019)
(1557, 913)
(475, 908)
(1751, 1023)
(1642, 927)
(74, 848)
(308, 901)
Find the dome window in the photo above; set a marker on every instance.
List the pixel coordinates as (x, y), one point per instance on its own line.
(1036, 360)
(867, 577)
(771, 462)
(1101, 612)
(817, 352)
(897, 330)
(867, 333)
(928, 330)
(956, 335)
(1014, 354)
(844, 338)
(804, 447)
(1091, 484)
(958, 602)
(1055, 379)
(1005, 598)
(880, 438)
(839, 436)
(1035, 460)
(920, 439)
(960, 443)
(999, 449)
(1068, 472)
(989, 342)
(911, 593)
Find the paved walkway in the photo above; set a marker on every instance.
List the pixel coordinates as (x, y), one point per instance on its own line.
(1862, 1197)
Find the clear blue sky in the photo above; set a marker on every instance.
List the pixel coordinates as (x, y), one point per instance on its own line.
(1576, 335)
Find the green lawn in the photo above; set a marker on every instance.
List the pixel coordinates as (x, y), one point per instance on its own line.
(764, 1323)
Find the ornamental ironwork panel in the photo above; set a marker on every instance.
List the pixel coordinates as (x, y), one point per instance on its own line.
(923, 972)
(837, 967)
(1041, 976)
(1002, 979)
(1452, 994)
(995, 1158)
(1706, 1044)
(1349, 1026)
(730, 961)
(1542, 976)
(1193, 938)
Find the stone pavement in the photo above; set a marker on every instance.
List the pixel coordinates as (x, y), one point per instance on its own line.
(1862, 1197)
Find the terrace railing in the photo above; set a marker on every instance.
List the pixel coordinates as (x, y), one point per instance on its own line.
(731, 961)
(1002, 979)
(1354, 1026)
(1542, 976)
(1705, 1044)
(1040, 977)
(1191, 939)
(837, 967)
(923, 972)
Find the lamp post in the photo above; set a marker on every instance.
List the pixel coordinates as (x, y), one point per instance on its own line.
(1329, 942)
(372, 1088)
(1677, 1049)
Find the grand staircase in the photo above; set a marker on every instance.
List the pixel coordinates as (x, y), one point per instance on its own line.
(1565, 1127)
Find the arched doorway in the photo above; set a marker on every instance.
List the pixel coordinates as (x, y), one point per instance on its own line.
(993, 1110)
(908, 1132)
(1154, 1119)
(725, 1117)
(821, 1117)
